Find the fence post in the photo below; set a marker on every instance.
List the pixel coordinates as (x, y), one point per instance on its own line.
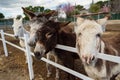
(4, 43)
(29, 58)
(98, 16)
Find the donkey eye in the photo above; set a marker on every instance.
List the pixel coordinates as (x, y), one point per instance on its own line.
(79, 34)
(48, 35)
(98, 35)
(19, 27)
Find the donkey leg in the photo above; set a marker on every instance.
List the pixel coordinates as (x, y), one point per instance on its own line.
(69, 63)
(57, 70)
(70, 76)
(48, 66)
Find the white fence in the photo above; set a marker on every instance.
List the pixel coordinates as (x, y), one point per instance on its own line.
(27, 50)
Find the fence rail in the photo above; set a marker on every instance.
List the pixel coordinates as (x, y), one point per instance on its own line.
(31, 75)
(103, 56)
(115, 59)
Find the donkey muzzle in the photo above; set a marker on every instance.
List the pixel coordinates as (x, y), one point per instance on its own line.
(16, 37)
(88, 59)
(38, 55)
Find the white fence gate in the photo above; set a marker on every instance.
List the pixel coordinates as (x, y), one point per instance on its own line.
(115, 59)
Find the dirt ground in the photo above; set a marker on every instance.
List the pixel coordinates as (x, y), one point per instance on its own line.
(14, 66)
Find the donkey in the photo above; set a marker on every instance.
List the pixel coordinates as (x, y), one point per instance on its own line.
(35, 23)
(48, 36)
(19, 30)
(90, 42)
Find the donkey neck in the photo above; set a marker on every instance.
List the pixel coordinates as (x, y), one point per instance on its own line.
(24, 31)
(68, 39)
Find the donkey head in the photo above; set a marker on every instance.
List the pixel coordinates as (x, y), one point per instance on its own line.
(88, 40)
(35, 23)
(18, 26)
(47, 37)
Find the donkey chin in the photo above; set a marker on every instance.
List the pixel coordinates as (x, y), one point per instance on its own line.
(17, 37)
(39, 55)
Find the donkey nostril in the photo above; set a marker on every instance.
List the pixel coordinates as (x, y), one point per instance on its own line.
(93, 58)
(37, 54)
(16, 37)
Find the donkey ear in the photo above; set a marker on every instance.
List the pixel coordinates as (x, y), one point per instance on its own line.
(63, 24)
(48, 15)
(103, 22)
(79, 21)
(30, 14)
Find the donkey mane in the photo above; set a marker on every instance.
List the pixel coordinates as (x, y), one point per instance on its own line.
(111, 44)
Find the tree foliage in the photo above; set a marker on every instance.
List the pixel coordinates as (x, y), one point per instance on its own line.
(97, 6)
(102, 3)
(47, 10)
(35, 8)
(79, 7)
(94, 8)
(2, 15)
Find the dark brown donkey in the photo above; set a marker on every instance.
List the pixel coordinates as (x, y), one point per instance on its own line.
(49, 35)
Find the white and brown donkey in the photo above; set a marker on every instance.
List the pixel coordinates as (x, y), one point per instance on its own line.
(36, 22)
(90, 42)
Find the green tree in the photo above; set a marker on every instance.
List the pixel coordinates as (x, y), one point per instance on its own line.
(1, 15)
(47, 10)
(94, 8)
(75, 12)
(102, 3)
(79, 7)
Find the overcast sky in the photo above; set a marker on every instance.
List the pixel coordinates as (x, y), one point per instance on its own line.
(11, 8)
